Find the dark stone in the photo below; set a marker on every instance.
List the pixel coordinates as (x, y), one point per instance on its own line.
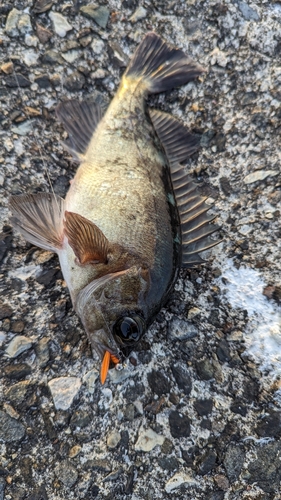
(17, 80)
(43, 81)
(223, 352)
(240, 408)
(179, 424)
(117, 56)
(167, 447)
(61, 185)
(124, 441)
(270, 425)
(99, 14)
(129, 412)
(50, 429)
(265, 471)
(129, 4)
(225, 186)
(3, 472)
(128, 489)
(233, 462)
(38, 494)
(47, 278)
(75, 81)
(220, 140)
(94, 490)
(11, 430)
(183, 378)
(80, 418)
(249, 98)
(203, 406)
(2, 488)
(5, 311)
(251, 390)
(52, 57)
(72, 336)
(98, 465)
(17, 326)
(6, 239)
(134, 392)
(18, 371)
(41, 6)
(158, 383)
(207, 462)
(215, 495)
(168, 463)
(206, 424)
(205, 369)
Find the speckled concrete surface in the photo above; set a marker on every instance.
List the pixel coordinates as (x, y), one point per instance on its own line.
(195, 413)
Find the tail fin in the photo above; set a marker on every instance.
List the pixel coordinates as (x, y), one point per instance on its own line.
(162, 67)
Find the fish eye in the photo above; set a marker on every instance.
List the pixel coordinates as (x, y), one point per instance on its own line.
(128, 329)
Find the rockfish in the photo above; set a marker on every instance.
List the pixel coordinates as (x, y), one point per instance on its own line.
(132, 216)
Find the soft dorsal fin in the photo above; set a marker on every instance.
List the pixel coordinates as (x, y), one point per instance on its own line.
(38, 217)
(86, 240)
(178, 143)
(196, 229)
(80, 120)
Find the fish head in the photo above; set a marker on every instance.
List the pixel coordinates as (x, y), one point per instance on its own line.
(113, 311)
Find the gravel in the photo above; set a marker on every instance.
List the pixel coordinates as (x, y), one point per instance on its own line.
(195, 413)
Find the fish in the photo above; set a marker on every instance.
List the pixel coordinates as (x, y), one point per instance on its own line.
(132, 216)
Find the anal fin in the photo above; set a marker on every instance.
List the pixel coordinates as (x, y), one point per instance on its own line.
(196, 227)
(80, 120)
(38, 217)
(86, 240)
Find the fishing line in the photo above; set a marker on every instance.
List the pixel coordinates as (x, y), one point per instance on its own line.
(34, 133)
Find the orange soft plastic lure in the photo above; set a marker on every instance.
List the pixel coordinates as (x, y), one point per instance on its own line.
(105, 365)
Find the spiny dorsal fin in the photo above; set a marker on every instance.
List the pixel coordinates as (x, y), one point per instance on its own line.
(161, 67)
(178, 143)
(86, 240)
(80, 120)
(38, 217)
(195, 222)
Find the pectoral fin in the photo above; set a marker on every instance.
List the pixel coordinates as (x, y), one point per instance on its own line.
(86, 240)
(38, 217)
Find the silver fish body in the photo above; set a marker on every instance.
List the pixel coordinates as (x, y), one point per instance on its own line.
(132, 216)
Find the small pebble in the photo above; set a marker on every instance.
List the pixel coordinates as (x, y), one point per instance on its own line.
(178, 329)
(259, 175)
(66, 473)
(10, 429)
(64, 390)
(99, 14)
(139, 14)
(113, 439)
(12, 22)
(148, 439)
(178, 480)
(7, 68)
(18, 345)
(60, 24)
